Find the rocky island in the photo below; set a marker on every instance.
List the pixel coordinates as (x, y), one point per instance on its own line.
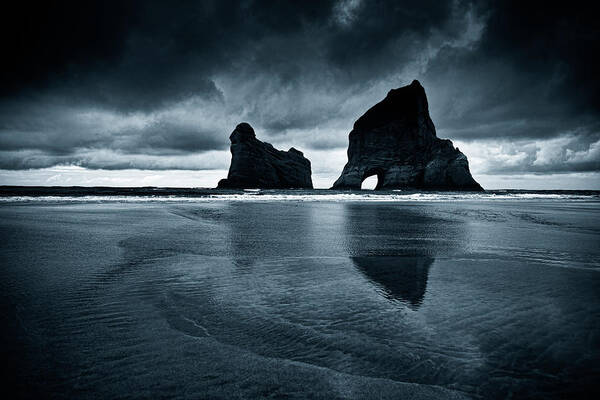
(396, 140)
(255, 164)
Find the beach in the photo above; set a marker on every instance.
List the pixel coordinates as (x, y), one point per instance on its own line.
(299, 297)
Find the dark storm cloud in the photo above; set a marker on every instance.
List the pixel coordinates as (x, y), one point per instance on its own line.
(552, 41)
(533, 72)
(88, 83)
(139, 54)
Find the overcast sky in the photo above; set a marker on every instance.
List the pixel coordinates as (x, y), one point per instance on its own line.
(147, 93)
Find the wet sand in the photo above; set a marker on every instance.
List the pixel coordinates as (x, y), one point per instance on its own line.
(323, 299)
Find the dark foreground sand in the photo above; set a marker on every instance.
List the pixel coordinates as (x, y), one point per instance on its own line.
(488, 299)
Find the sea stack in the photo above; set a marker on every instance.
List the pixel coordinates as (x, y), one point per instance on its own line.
(396, 140)
(255, 164)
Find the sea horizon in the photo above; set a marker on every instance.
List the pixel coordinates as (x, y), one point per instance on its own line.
(152, 193)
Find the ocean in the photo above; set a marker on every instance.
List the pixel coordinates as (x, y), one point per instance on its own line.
(198, 293)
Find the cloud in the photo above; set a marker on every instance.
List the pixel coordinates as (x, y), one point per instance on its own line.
(78, 176)
(145, 84)
(113, 160)
(344, 12)
(569, 153)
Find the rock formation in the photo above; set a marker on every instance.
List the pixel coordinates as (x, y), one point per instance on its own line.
(255, 164)
(396, 140)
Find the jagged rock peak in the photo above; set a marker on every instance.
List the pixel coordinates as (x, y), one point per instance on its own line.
(255, 164)
(408, 103)
(243, 131)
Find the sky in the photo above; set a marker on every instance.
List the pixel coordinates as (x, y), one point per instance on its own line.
(146, 93)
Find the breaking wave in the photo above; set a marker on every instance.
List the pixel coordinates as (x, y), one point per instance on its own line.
(255, 195)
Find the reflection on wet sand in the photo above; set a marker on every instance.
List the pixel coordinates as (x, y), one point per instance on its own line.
(402, 279)
(394, 247)
(255, 234)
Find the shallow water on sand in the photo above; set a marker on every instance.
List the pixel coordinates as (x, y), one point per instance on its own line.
(294, 299)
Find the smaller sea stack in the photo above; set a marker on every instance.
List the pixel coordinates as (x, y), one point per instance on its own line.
(255, 164)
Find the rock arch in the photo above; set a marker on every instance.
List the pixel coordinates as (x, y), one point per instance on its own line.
(397, 138)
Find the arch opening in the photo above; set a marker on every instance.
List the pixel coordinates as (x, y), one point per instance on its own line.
(369, 183)
(372, 179)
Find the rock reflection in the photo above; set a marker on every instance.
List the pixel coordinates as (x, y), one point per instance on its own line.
(400, 278)
(255, 233)
(394, 246)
